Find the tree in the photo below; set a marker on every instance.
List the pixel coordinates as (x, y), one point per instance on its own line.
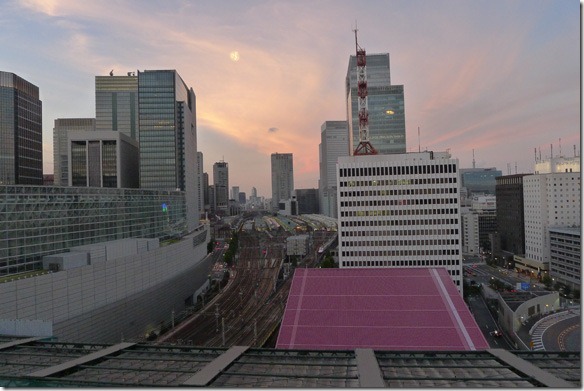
(547, 281)
(328, 261)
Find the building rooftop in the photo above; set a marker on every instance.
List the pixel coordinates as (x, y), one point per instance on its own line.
(31, 362)
(377, 308)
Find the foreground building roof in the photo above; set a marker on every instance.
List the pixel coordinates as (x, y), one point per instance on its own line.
(31, 362)
(383, 308)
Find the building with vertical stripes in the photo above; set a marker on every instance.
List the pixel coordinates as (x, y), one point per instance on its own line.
(21, 132)
(400, 210)
(61, 146)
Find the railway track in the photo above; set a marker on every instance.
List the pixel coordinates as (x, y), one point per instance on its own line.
(250, 307)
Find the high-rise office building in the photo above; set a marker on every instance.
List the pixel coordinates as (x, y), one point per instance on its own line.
(510, 218)
(116, 104)
(102, 159)
(307, 200)
(201, 186)
(334, 142)
(282, 178)
(479, 180)
(61, 147)
(221, 187)
(550, 200)
(168, 136)
(235, 193)
(400, 210)
(387, 124)
(21, 132)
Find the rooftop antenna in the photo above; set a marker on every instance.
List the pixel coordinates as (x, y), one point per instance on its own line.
(551, 151)
(560, 142)
(574, 150)
(535, 154)
(473, 159)
(515, 168)
(508, 168)
(540, 154)
(364, 147)
(419, 149)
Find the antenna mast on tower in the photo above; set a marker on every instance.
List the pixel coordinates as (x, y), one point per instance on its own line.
(364, 147)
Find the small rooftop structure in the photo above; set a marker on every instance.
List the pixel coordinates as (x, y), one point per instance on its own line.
(385, 308)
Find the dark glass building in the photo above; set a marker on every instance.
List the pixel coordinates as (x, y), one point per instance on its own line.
(307, 201)
(479, 180)
(510, 217)
(168, 136)
(385, 102)
(21, 149)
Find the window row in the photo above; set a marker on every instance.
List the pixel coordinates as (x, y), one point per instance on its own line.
(398, 192)
(432, 201)
(399, 170)
(400, 212)
(409, 232)
(417, 262)
(398, 182)
(382, 223)
(400, 242)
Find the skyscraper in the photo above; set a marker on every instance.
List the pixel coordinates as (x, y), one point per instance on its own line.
(61, 147)
(510, 217)
(116, 104)
(400, 210)
(103, 159)
(21, 149)
(282, 178)
(201, 184)
(334, 142)
(387, 125)
(221, 186)
(168, 136)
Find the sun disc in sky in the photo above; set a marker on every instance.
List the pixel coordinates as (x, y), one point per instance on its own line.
(234, 56)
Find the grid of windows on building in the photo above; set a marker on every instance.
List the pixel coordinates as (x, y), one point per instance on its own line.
(61, 148)
(399, 214)
(21, 153)
(385, 104)
(45, 220)
(565, 256)
(510, 214)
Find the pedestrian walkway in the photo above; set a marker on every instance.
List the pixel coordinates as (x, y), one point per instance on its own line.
(543, 324)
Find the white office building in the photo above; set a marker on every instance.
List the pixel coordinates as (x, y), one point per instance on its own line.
(334, 142)
(549, 200)
(400, 210)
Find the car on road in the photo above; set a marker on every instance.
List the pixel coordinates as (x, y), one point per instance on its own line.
(496, 333)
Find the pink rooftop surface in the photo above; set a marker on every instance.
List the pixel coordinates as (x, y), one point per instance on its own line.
(381, 309)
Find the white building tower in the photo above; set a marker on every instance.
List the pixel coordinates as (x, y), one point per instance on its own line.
(400, 210)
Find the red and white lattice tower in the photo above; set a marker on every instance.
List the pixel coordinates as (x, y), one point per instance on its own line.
(364, 147)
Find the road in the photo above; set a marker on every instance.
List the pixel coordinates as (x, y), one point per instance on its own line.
(487, 324)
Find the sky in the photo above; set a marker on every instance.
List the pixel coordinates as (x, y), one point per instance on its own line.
(501, 77)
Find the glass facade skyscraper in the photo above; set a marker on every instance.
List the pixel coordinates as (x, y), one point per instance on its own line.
(387, 125)
(116, 104)
(21, 149)
(334, 142)
(221, 186)
(167, 135)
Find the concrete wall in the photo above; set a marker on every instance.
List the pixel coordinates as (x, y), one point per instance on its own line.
(102, 301)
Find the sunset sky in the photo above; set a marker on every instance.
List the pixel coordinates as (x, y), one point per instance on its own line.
(499, 76)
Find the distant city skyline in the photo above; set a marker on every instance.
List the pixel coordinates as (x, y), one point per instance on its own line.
(500, 77)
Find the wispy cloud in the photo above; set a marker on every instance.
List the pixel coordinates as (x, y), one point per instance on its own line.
(494, 76)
